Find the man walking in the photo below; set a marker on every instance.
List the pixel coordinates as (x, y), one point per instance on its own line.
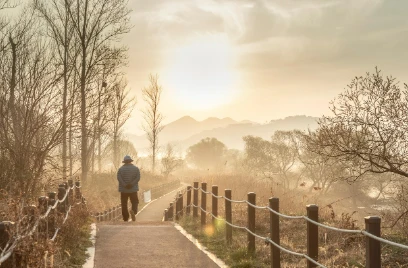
(128, 177)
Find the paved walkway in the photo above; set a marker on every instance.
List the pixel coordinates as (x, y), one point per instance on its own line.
(148, 242)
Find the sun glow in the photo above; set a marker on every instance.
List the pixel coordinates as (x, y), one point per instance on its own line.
(201, 74)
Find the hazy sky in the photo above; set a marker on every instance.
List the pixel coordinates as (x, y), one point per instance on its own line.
(260, 60)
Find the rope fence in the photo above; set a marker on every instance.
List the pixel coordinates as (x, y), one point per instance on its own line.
(115, 213)
(45, 225)
(372, 224)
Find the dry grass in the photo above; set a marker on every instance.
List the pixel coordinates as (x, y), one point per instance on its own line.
(335, 249)
(68, 250)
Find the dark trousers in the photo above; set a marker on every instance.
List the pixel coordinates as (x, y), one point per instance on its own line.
(124, 202)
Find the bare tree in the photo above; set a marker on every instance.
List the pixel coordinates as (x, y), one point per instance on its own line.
(321, 170)
(275, 159)
(170, 162)
(55, 14)
(152, 116)
(30, 109)
(121, 106)
(96, 24)
(368, 130)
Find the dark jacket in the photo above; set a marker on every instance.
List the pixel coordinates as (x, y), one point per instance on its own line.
(128, 174)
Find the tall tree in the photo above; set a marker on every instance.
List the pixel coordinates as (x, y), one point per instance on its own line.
(97, 23)
(30, 122)
(152, 116)
(170, 162)
(121, 106)
(56, 16)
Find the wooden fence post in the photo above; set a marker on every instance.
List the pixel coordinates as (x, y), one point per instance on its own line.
(214, 204)
(373, 247)
(203, 203)
(78, 190)
(228, 216)
(166, 214)
(67, 201)
(251, 222)
(51, 217)
(312, 235)
(181, 204)
(274, 230)
(177, 206)
(171, 210)
(71, 192)
(189, 188)
(61, 193)
(42, 206)
(109, 214)
(195, 200)
(106, 215)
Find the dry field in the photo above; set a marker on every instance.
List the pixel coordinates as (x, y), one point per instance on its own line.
(335, 249)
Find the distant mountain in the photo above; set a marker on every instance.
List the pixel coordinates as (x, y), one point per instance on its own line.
(181, 129)
(232, 135)
(187, 131)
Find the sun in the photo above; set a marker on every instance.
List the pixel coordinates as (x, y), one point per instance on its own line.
(201, 73)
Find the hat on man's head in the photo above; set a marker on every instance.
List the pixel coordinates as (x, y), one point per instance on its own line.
(127, 159)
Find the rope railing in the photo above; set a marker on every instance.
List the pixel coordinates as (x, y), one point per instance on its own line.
(266, 239)
(372, 231)
(163, 188)
(114, 213)
(313, 222)
(48, 204)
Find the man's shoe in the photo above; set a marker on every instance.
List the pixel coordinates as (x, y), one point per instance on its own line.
(132, 214)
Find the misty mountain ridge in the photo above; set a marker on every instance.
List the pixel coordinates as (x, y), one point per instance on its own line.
(187, 131)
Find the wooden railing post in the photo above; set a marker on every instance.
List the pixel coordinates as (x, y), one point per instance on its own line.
(195, 200)
(373, 247)
(251, 221)
(71, 192)
(203, 203)
(181, 204)
(214, 204)
(97, 217)
(166, 215)
(274, 230)
(67, 201)
(171, 210)
(109, 214)
(189, 188)
(106, 217)
(61, 193)
(312, 234)
(177, 206)
(228, 216)
(51, 217)
(78, 194)
(42, 206)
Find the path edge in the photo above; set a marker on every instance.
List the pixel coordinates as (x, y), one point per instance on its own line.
(194, 240)
(91, 250)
